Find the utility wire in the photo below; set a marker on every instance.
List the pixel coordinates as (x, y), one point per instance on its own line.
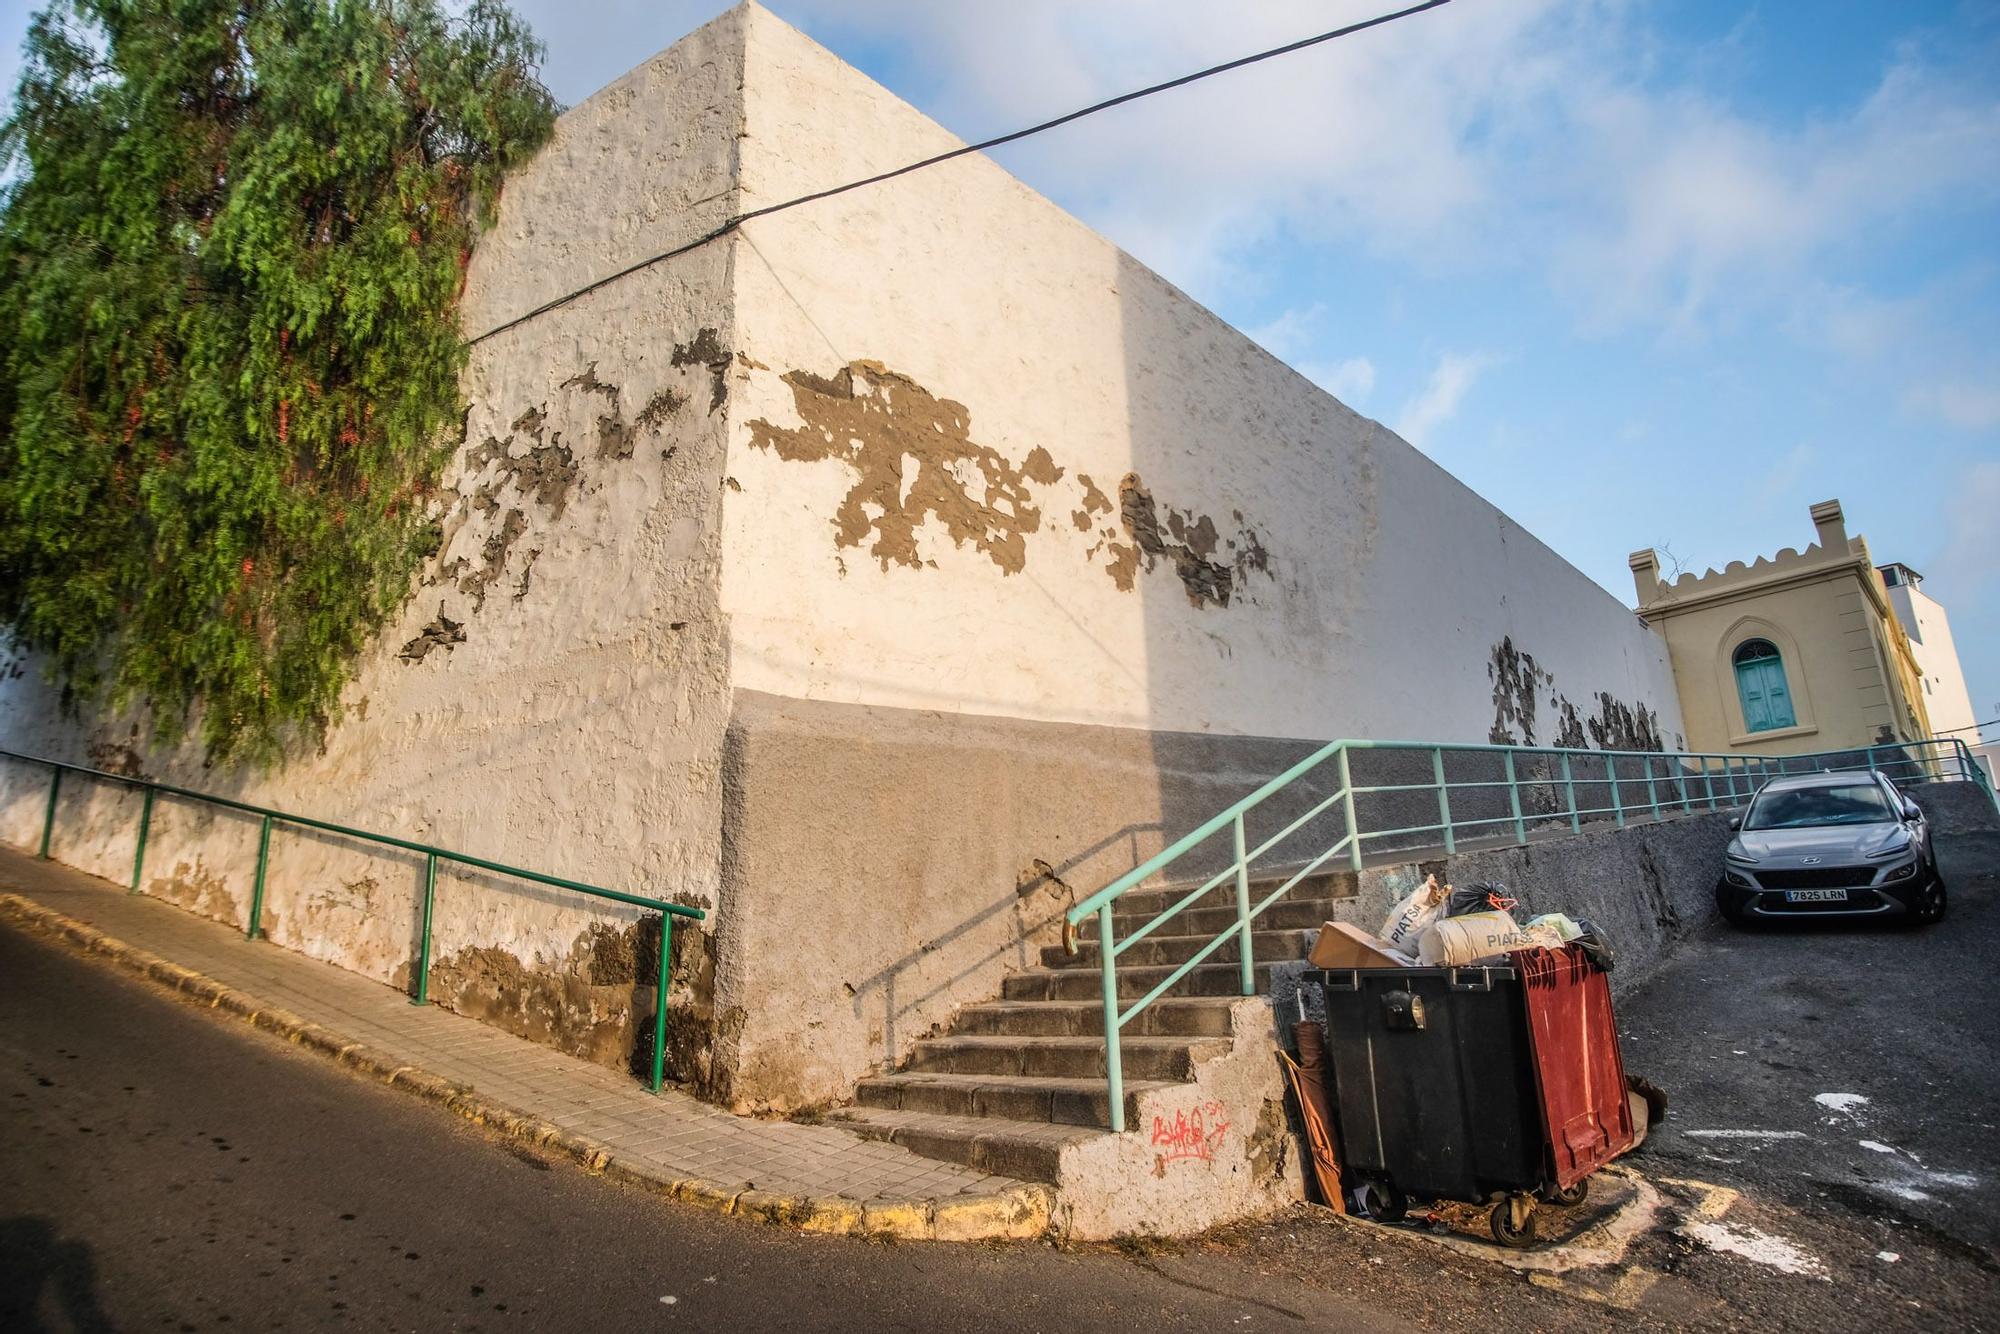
(739, 219)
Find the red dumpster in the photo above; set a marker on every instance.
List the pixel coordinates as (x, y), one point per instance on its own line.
(1579, 1072)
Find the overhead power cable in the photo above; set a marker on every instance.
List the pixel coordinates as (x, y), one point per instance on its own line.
(739, 219)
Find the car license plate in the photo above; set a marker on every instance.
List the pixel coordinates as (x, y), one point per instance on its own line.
(1815, 896)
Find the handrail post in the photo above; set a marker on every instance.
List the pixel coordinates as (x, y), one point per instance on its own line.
(660, 1003)
(1611, 776)
(1871, 755)
(424, 943)
(1114, 1072)
(1687, 793)
(1444, 799)
(1708, 781)
(1514, 800)
(1347, 801)
(145, 824)
(1569, 790)
(1249, 964)
(49, 816)
(257, 889)
(1652, 792)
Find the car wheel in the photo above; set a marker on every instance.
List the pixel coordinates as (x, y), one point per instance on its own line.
(1931, 903)
(1731, 912)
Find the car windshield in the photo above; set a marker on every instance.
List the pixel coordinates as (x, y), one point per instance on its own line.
(1792, 808)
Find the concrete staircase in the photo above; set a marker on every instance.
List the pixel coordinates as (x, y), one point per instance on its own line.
(1019, 1080)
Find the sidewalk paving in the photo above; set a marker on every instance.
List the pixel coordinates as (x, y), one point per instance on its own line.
(820, 1178)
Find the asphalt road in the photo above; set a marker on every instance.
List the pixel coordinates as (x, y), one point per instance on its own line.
(162, 1168)
(1850, 1069)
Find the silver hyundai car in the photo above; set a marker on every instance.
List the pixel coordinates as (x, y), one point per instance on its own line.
(1831, 845)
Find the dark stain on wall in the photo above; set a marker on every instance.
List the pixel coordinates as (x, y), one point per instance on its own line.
(1569, 730)
(1516, 681)
(913, 460)
(442, 632)
(706, 349)
(1190, 542)
(1618, 726)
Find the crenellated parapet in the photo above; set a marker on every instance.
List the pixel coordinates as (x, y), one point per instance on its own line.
(1834, 548)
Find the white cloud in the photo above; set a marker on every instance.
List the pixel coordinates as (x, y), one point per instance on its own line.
(1968, 406)
(1437, 403)
(1350, 381)
(1786, 473)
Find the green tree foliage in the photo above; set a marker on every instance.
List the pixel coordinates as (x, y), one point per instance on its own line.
(230, 260)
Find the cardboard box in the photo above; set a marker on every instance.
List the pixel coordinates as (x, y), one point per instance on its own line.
(1341, 945)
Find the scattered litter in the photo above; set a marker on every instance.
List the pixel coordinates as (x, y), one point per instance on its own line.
(1746, 1134)
(1733, 1052)
(1887, 1257)
(668, 1301)
(1761, 1247)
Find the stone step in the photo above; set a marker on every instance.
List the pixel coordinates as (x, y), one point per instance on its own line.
(1169, 1016)
(1212, 916)
(1320, 885)
(1024, 1150)
(1068, 1102)
(1061, 1058)
(1204, 979)
(1158, 948)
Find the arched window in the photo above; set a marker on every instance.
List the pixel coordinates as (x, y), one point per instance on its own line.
(1760, 684)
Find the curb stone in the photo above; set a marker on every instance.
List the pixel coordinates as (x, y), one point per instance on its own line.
(1022, 1213)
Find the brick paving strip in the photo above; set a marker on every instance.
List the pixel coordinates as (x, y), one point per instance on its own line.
(815, 1178)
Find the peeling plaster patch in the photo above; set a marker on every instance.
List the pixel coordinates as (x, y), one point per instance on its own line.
(706, 350)
(1516, 682)
(913, 459)
(658, 408)
(194, 887)
(443, 632)
(1569, 733)
(1188, 541)
(493, 559)
(1618, 727)
(1094, 502)
(545, 474)
(587, 381)
(527, 571)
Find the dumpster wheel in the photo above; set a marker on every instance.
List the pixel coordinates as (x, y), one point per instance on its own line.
(1513, 1221)
(1574, 1195)
(1383, 1202)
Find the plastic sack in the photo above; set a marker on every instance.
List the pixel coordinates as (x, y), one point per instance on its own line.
(1482, 897)
(1407, 921)
(1595, 947)
(1560, 923)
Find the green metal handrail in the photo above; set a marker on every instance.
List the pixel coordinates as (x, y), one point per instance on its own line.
(1722, 778)
(432, 856)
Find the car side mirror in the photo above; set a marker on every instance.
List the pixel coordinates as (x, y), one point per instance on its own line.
(1735, 822)
(1912, 812)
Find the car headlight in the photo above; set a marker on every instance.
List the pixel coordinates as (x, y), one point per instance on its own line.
(1736, 877)
(1893, 850)
(1903, 872)
(1739, 856)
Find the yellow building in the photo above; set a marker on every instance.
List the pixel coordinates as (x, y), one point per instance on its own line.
(1793, 653)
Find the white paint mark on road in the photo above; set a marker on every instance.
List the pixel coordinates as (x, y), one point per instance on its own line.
(1848, 1105)
(1746, 1134)
(1760, 1247)
(1877, 1146)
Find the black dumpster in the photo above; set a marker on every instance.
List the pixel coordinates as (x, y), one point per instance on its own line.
(1433, 1088)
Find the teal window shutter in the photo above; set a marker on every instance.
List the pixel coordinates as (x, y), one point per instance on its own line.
(1760, 684)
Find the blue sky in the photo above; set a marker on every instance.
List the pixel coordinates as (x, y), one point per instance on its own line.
(1639, 271)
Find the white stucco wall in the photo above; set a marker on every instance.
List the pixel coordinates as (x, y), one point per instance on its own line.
(1946, 698)
(1389, 582)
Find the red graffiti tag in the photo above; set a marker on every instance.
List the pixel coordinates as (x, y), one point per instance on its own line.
(1195, 1134)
